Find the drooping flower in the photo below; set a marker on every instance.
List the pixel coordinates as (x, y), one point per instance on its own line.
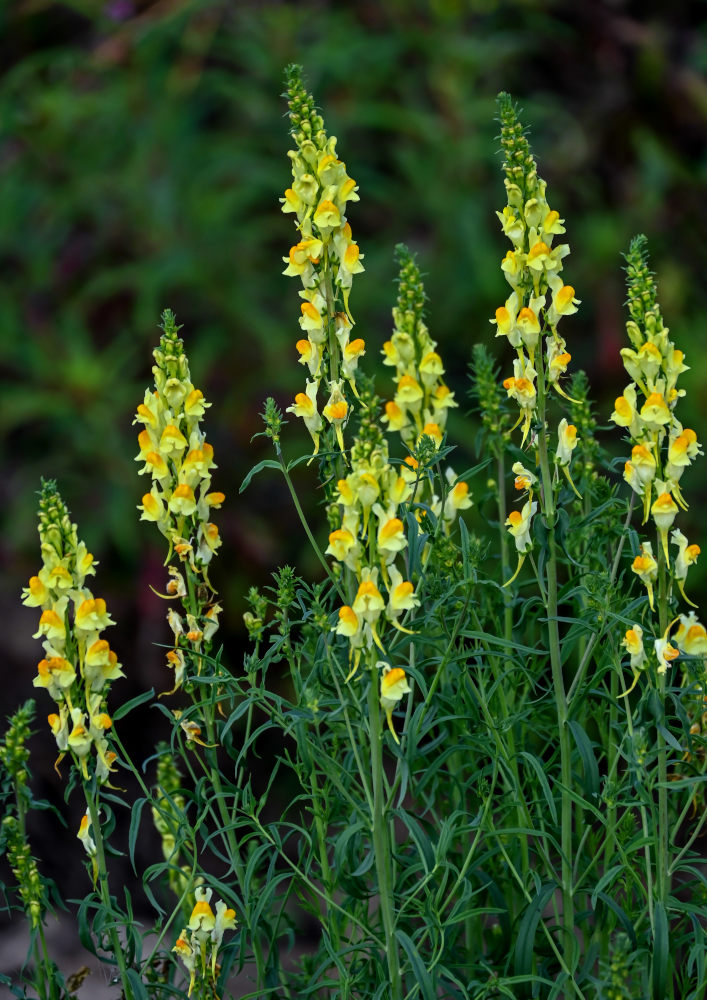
(393, 688)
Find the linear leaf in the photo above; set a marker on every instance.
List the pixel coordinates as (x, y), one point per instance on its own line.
(542, 778)
(422, 976)
(267, 463)
(661, 951)
(525, 942)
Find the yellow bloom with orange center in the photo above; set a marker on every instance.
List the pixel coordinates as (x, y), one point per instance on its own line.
(665, 653)
(664, 511)
(311, 319)
(393, 688)
(433, 430)
(56, 674)
(172, 441)
(409, 394)
(92, 615)
(646, 569)
(348, 621)
(327, 215)
(182, 500)
(655, 410)
(394, 416)
(391, 537)
(368, 602)
(35, 593)
(202, 916)
(691, 635)
(538, 256)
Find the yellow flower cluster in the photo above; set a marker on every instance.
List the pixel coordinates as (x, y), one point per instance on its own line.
(204, 933)
(78, 664)
(539, 297)
(422, 399)
(179, 460)
(661, 451)
(661, 447)
(368, 541)
(325, 258)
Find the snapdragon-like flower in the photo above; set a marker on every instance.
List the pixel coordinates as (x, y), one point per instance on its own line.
(78, 664)
(518, 523)
(661, 448)
(325, 258)
(539, 298)
(179, 461)
(646, 569)
(686, 557)
(394, 686)
(198, 943)
(633, 644)
(691, 636)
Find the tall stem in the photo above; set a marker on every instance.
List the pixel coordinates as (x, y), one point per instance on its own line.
(102, 873)
(505, 562)
(663, 846)
(381, 836)
(550, 515)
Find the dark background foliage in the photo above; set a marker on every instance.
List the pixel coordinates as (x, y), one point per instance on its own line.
(142, 154)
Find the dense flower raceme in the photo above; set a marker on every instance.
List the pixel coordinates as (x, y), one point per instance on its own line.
(538, 301)
(179, 460)
(539, 298)
(325, 258)
(422, 399)
(78, 664)
(199, 942)
(369, 541)
(661, 450)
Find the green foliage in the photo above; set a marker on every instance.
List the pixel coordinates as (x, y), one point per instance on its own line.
(464, 795)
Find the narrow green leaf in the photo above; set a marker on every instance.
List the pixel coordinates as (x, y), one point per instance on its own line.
(542, 778)
(137, 986)
(661, 951)
(267, 463)
(422, 977)
(606, 879)
(139, 699)
(589, 763)
(135, 815)
(621, 915)
(670, 739)
(525, 942)
(421, 838)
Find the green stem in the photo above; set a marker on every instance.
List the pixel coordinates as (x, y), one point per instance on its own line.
(382, 847)
(550, 514)
(599, 632)
(321, 830)
(612, 757)
(47, 965)
(305, 524)
(503, 534)
(663, 847)
(509, 752)
(644, 827)
(228, 832)
(102, 873)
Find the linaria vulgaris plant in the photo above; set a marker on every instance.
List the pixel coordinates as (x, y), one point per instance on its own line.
(488, 714)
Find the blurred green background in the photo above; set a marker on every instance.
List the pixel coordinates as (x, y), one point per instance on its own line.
(142, 154)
